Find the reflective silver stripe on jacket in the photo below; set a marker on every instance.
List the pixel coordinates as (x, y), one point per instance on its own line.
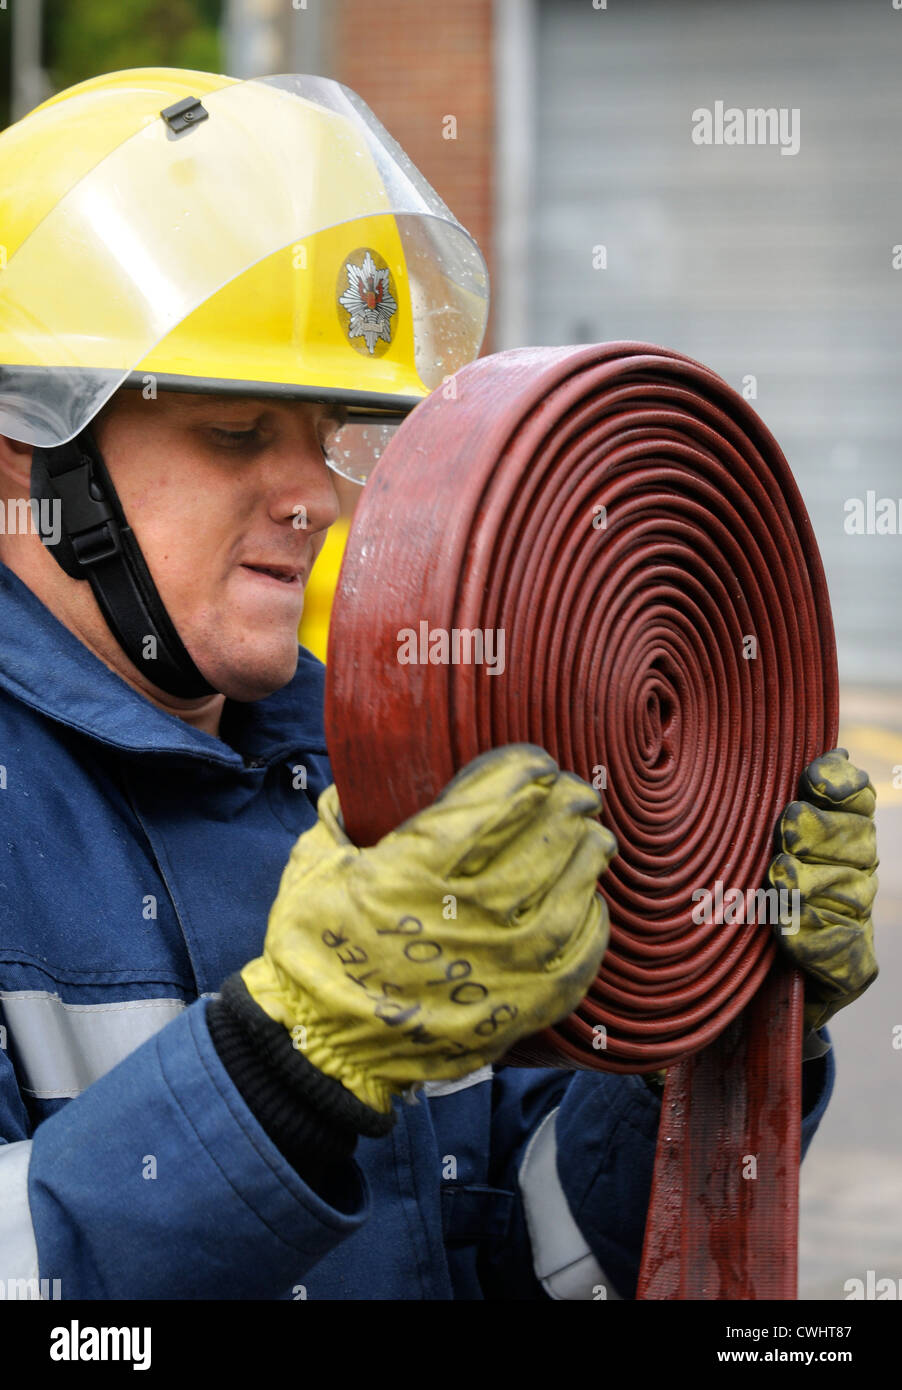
(563, 1262)
(18, 1251)
(59, 1049)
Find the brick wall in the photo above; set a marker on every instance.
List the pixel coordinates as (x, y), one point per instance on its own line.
(415, 63)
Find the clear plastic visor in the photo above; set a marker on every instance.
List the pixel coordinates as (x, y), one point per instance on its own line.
(168, 218)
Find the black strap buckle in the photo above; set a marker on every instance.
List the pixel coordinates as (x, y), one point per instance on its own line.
(92, 527)
(98, 544)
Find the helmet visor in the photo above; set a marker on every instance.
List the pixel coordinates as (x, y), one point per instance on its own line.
(169, 217)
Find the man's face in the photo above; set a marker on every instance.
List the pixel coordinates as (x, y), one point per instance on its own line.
(230, 500)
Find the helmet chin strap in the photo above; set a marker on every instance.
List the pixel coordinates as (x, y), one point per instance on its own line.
(97, 544)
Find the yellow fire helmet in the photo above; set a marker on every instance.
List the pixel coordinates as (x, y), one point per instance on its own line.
(165, 229)
(267, 237)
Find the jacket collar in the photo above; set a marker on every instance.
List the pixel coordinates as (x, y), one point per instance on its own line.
(45, 666)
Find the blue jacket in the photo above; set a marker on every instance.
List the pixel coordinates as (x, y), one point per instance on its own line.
(138, 861)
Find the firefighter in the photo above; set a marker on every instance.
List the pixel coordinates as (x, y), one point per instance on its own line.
(215, 295)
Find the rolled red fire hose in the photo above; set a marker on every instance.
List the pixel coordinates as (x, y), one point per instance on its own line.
(620, 526)
(602, 550)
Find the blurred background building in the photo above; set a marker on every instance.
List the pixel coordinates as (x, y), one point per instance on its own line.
(559, 132)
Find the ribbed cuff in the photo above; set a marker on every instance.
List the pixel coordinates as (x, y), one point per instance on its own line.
(311, 1118)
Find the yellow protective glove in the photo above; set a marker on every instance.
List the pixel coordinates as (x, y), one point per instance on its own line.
(829, 853)
(429, 954)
